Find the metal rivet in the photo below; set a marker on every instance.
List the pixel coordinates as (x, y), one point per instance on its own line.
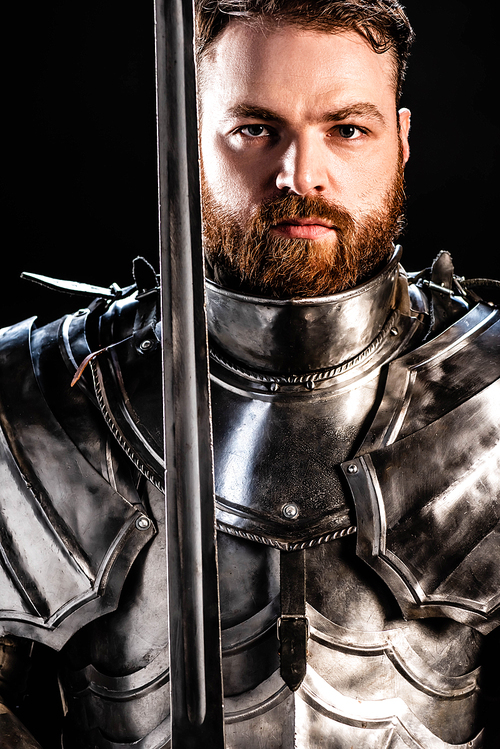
(290, 511)
(275, 387)
(394, 331)
(142, 523)
(146, 344)
(310, 385)
(81, 312)
(351, 468)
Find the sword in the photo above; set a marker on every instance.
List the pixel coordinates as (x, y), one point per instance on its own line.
(196, 695)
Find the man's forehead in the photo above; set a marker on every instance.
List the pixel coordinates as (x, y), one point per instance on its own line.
(270, 59)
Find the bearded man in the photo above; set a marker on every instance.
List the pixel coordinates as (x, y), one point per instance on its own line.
(302, 179)
(355, 427)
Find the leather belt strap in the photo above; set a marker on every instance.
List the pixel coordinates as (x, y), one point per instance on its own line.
(293, 625)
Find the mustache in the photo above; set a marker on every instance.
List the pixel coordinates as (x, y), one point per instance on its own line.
(287, 207)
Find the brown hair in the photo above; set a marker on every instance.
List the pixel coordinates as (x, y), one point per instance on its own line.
(383, 23)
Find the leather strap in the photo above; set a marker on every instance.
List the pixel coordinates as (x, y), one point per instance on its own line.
(293, 625)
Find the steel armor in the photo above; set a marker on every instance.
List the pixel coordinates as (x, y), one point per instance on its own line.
(357, 455)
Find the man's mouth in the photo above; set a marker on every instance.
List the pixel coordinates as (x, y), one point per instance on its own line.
(303, 228)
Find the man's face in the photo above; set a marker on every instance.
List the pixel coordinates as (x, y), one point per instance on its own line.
(302, 158)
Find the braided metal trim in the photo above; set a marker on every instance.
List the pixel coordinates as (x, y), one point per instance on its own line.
(285, 545)
(309, 377)
(472, 283)
(108, 418)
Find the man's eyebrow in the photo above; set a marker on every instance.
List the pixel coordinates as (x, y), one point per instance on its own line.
(254, 112)
(360, 109)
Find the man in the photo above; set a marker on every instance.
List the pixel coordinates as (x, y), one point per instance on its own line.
(355, 429)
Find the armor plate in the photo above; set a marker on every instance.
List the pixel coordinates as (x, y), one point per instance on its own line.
(62, 560)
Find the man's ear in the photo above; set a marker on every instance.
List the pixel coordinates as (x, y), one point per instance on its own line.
(404, 131)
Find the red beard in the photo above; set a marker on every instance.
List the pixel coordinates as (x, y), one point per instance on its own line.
(258, 262)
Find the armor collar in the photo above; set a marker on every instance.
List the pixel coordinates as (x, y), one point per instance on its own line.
(301, 335)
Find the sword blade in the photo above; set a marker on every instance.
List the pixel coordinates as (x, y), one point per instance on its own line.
(194, 618)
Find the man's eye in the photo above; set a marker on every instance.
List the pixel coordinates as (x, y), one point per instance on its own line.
(254, 131)
(349, 132)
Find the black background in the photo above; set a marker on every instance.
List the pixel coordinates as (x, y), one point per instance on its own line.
(81, 165)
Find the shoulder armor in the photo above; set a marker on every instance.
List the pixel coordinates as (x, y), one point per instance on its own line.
(67, 537)
(426, 480)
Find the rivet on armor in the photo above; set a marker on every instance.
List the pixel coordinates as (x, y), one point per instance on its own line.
(290, 511)
(142, 523)
(310, 385)
(274, 387)
(146, 344)
(394, 331)
(352, 468)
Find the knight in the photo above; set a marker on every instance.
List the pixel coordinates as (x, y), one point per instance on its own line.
(356, 431)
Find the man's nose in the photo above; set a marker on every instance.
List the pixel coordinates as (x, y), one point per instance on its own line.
(303, 167)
